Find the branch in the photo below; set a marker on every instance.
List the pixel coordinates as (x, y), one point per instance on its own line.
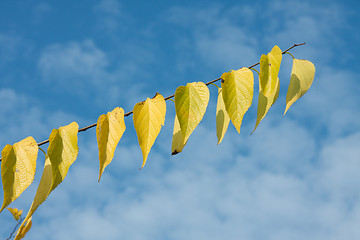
(14, 230)
(167, 98)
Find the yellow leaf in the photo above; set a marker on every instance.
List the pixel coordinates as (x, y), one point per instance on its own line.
(110, 128)
(149, 117)
(222, 117)
(177, 140)
(190, 105)
(265, 103)
(62, 151)
(269, 71)
(18, 168)
(302, 76)
(43, 190)
(23, 229)
(238, 88)
(15, 213)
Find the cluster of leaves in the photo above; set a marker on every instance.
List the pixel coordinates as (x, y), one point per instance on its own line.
(234, 99)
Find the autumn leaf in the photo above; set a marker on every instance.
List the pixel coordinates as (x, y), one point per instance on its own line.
(237, 90)
(149, 117)
(302, 76)
(109, 130)
(222, 117)
(15, 213)
(42, 192)
(43, 189)
(62, 151)
(190, 105)
(264, 103)
(23, 229)
(177, 144)
(269, 71)
(18, 167)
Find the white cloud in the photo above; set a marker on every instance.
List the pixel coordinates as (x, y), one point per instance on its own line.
(22, 117)
(197, 197)
(72, 63)
(294, 178)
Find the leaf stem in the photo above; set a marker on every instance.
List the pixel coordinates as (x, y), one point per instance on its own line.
(290, 55)
(42, 151)
(255, 70)
(215, 85)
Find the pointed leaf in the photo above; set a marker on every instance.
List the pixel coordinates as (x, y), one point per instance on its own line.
(269, 71)
(18, 168)
(110, 128)
(43, 190)
(302, 76)
(149, 117)
(265, 103)
(190, 105)
(15, 213)
(62, 151)
(238, 88)
(23, 229)
(177, 140)
(222, 117)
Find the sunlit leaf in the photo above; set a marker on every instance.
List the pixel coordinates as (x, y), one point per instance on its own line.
(302, 76)
(190, 105)
(15, 213)
(149, 117)
(110, 128)
(269, 71)
(23, 229)
(237, 89)
(222, 117)
(265, 103)
(18, 167)
(177, 144)
(42, 192)
(62, 151)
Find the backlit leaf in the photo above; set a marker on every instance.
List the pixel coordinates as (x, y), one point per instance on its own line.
(269, 71)
(23, 229)
(149, 117)
(302, 76)
(237, 89)
(110, 128)
(15, 213)
(18, 168)
(62, 151)
(265, 103)
(222, 117)
(190, 105)
(42, 192)
(177, 144)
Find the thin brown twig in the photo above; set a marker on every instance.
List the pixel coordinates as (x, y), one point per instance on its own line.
(167, 98)
(14, 230)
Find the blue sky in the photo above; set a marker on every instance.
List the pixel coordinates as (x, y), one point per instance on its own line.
(296, 177)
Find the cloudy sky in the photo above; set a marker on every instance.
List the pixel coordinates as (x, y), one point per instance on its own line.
(296, 177)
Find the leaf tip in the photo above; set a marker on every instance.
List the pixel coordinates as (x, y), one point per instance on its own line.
(286, 109)
(175, 152)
